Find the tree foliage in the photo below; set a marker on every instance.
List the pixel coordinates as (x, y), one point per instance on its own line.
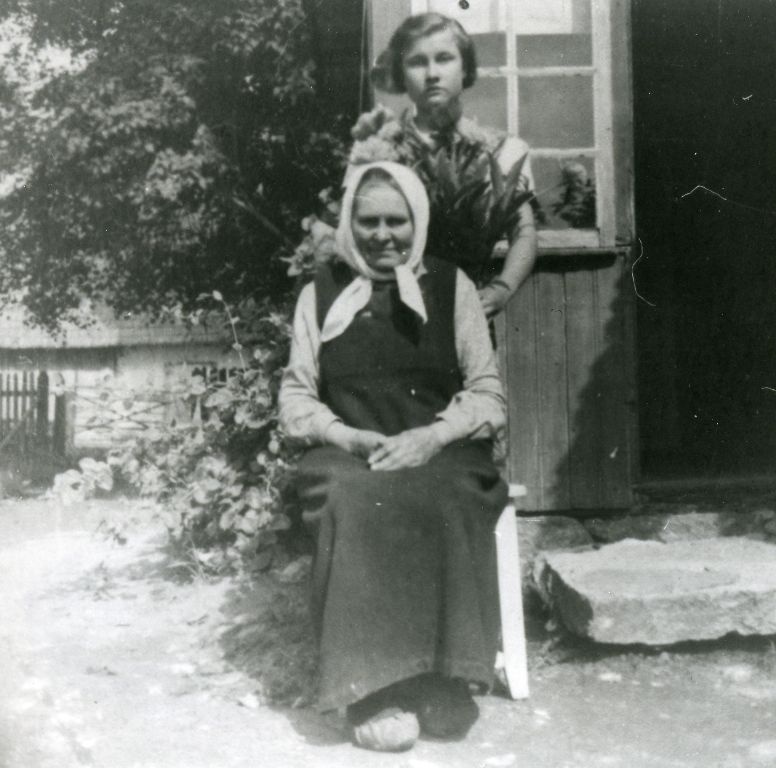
(176, 153)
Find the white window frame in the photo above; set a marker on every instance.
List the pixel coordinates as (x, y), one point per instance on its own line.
(603, 235)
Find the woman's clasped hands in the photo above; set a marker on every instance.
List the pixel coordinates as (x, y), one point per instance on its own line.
(411, 448)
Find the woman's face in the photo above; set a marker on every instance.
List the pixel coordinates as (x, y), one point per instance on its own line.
(433, 70)
(382, 226)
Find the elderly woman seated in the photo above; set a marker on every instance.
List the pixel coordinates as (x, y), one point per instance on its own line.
(392, 384)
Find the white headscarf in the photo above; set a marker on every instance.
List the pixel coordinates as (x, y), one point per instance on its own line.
(357, 294)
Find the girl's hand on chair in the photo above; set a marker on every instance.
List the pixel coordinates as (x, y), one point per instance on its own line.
(410, 448)
(494, 297)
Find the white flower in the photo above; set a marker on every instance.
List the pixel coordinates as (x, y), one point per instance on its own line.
(370, 123)
(372, 150)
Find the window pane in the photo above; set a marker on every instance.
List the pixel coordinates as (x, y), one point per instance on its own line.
(491, 49)
(478, 16)
(486, 101)
(565, 188)
(554, 50)
(556, 111)
(552, 17)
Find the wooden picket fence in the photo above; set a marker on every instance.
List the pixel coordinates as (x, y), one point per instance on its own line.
(25, 405)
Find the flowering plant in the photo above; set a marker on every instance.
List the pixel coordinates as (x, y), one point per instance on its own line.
(473, 204)
(318, 246)
(381, 135)
(378, 135)
(578, 203)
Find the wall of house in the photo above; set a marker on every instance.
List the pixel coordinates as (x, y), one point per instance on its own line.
(705, 114)
(120, 392)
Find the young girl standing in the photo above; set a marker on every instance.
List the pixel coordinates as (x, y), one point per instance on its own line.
(432, 59)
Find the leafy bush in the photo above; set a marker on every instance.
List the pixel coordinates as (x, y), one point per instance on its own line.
(221, 475)
(75, 486)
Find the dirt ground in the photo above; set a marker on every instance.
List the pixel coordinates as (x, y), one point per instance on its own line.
(118, 656)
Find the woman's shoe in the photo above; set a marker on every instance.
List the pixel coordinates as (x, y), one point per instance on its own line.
(390, 730)
(445, 708)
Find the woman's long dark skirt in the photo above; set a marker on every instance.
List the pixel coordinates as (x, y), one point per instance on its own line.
(404, 578)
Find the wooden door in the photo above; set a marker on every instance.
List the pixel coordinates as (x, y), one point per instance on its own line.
(571, 394)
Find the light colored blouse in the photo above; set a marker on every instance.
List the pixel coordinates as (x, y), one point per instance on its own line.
(477, 411)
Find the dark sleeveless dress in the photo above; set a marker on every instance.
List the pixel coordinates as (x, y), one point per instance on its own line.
(404, 575)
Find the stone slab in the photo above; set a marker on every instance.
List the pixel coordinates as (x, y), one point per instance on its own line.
(547, 534)
(668, 525)
(647, 592)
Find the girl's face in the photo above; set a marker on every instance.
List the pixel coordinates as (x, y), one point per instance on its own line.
(382, 225)
(433, 70)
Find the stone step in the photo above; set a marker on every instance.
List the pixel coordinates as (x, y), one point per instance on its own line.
(673, 522)
(657, 593)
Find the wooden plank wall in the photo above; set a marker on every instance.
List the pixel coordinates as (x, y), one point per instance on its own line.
(566, 354)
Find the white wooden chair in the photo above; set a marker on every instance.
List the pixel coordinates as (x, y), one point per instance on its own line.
(515, 658)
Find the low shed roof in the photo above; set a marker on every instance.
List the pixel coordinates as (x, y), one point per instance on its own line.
(102, 330)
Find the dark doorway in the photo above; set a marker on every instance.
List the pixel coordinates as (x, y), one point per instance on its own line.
(705, 114)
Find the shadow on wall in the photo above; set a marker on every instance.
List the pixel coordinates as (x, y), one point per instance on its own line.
(598, 467)
(571, 397)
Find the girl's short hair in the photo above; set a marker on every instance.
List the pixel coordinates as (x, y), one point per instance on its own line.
(422, 25)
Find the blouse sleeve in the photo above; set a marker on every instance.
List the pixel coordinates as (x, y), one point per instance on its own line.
(303, 416)
(510, 152)
(479, 409)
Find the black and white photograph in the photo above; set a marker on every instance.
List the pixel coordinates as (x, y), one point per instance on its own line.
(387, 383)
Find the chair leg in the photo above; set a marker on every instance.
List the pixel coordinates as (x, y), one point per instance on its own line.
(511, 604)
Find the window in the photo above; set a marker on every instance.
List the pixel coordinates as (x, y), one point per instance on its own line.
(545, 75)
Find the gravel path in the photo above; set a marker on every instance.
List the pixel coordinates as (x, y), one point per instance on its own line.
(112, 656)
